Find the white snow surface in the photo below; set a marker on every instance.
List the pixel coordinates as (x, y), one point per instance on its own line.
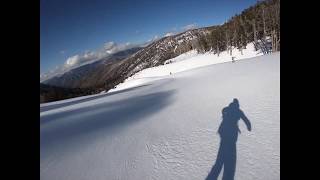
(187, 61)
(166, 129)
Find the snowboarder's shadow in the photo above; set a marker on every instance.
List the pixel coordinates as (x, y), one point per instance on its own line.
(228, 131)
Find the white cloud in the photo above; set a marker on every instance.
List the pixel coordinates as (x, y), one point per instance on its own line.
(151, 40)
(54, 72)
(175, 30)
(78, 60)
(87, 57)
(90, 56)
(112, 47)
(109, 45)
(155, 37)
(169, 34)
(107, 49)
(189, 26)
(72, 60)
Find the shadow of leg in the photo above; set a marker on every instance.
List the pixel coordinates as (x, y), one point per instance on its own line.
(229, 162)
(216, 169)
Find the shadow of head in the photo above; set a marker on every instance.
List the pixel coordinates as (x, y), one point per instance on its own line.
(232, 110)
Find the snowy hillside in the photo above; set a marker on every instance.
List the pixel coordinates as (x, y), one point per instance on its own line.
(167, 128)
(187, 61)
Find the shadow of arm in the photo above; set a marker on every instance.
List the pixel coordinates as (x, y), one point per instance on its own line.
(246, 121)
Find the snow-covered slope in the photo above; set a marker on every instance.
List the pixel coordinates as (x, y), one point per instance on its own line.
(187, 61)
(167, 129)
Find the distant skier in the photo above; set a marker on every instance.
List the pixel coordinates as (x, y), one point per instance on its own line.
(233, 59)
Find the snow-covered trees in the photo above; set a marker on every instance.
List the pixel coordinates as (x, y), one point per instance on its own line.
(256, 24)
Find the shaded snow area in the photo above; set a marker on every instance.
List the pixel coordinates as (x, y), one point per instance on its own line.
(167, 129)
(184, 62)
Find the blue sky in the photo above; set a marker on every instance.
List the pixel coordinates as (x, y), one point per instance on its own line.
(73, 27)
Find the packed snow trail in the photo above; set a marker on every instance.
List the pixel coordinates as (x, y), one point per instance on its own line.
(167, 129)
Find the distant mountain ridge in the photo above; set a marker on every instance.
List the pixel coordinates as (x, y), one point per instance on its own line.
(252, 25)
(50, 93)
(89, 75)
